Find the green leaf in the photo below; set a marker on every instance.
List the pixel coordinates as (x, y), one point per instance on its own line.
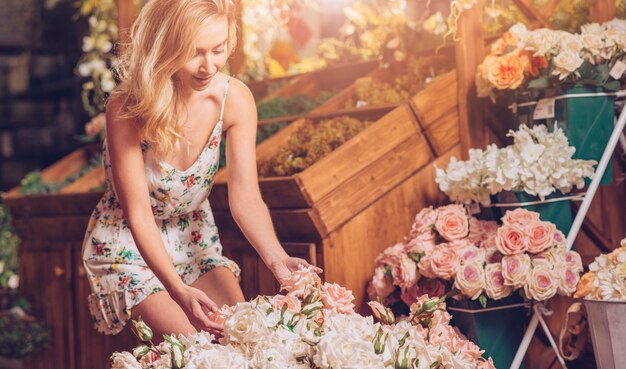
(483, 300)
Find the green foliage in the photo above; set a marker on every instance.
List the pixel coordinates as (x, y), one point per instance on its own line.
(21, 335)
(312, 141)
(9, 242)
(33, 183)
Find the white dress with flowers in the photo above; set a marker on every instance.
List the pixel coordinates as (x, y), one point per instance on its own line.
(118, 275)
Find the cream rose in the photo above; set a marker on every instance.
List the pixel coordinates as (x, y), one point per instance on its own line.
(444, 263)
(515, 269)
(216, 357)
(542, 284)
(293, 303)
(511, 239)
(299, 280)
(573, 261)
(452, 223)
(494, 282)
(566, 63)
(425, 267)
(245, 326)
(541, 236)
(338, 298)
(421, 244)
(469, 280)
(471, 254)
(125, 360)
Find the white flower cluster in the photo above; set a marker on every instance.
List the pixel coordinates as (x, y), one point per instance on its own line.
(596, 43)
(538, 162)
(313, 326)
(606, 279)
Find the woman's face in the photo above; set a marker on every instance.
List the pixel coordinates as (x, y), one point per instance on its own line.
(210, 56)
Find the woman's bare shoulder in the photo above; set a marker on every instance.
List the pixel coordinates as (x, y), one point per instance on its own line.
(240, 105)
(116, 115)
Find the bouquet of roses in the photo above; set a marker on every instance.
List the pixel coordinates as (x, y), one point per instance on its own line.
(537, 58)
(606, 279)
(448, 252)
(312, 326)
(538, 162)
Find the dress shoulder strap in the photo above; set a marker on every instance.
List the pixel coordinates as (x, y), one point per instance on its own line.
(224, 98)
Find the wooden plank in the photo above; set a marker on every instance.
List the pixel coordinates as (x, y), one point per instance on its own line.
(290, 225)
(602, 11)
(444, 133)
(94, 179)
(381, 176)
(55, 228)
(470, 52)
(358, 153)
(436, 100)
(284, 192)
(532, 13)
(339, 101)
(53, 205)
(381, 225)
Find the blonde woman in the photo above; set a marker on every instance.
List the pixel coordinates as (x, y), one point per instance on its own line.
(151, 248)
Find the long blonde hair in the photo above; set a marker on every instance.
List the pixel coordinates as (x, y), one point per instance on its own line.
(161, 42)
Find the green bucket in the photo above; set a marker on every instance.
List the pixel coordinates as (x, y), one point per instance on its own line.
(557, 209)
(498, 328)
(588, 123)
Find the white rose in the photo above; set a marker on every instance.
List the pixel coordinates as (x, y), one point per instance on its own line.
(246, 326)
(361, 326)
(566, 63)
(571, 42)
(217, 357)
(14, 281)
(346, 350)
(125, 360)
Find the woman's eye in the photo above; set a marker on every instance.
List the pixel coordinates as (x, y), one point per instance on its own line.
(217, 52)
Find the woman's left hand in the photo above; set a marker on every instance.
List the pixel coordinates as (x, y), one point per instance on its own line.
(285, 266)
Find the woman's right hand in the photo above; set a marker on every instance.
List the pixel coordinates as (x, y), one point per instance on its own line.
(196, 305)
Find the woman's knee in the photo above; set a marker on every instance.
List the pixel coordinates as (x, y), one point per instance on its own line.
(162, 315)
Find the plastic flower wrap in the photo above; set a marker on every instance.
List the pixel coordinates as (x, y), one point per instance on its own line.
(448, 252)
(534, 59)
(606, 279)
(538, 162)
(313, 325)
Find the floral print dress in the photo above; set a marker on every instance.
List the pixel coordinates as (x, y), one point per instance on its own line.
(118, 275)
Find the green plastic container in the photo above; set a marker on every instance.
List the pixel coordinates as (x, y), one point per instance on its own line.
(588, 123)
(498, 329)
(558, 212)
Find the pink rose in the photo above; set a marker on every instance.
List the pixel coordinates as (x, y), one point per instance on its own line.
(441, 317)
(424, 267)
(486, 364)
(442, 335)
(493, 256)
(476, 231)
(452, 223)
(470, 280)
(424, 221)
(300, 281)
(573, 261)
(471, 254)
(541, 236)
(293, 303)
(409, 295)
(515, 269)
(382, 284)
(560, 240)
(222, 314)
(489, 226)
(422, 244)
(541, 285)
(404, 271)
(431, 287)
(444, 263)
(458, 244)
(470, 351)
(494, 282)
(511, 239)
(519, 216)
(489, 242)
(568, 282)
(338, 298)
(389, 256)
(548, 258)
(382, 313)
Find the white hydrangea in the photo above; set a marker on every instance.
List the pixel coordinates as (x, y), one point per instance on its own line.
(538, 162)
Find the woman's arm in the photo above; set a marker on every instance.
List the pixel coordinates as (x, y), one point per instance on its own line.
(131, 187)
(244, 196)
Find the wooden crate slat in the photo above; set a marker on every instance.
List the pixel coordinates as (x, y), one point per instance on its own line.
(93, 179)
(379, 226)
(436, 100)
(444, 133)
(53, 205)
(290, 225)
(54, 228)
(358, 153)
(374, 181)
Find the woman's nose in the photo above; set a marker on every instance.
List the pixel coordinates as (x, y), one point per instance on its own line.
(208, 65)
